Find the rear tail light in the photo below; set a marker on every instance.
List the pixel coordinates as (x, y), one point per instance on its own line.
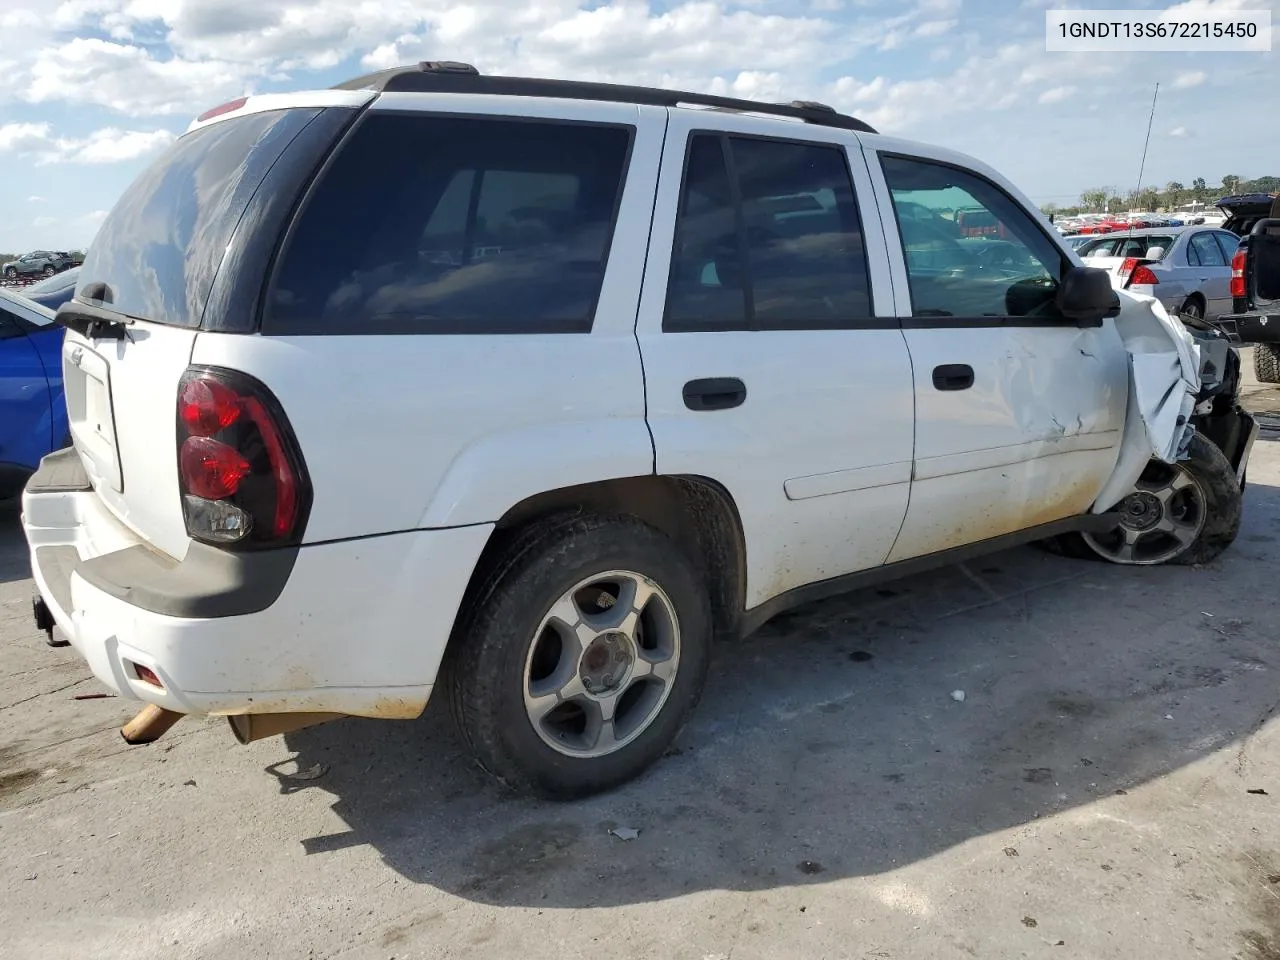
(1127, 267)
(242, 476)
(1143, 275)
(1237, 273)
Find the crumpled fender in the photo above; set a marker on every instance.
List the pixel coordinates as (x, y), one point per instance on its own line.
(1164, 378)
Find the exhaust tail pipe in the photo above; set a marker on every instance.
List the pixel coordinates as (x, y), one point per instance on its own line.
(149, 725)
(249, 727)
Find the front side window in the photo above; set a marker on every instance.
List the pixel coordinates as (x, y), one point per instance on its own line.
(445, 224)
(970, 249)
(767, 237)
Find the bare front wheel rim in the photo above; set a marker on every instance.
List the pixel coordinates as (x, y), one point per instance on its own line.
(1162, 517)
(601, 664)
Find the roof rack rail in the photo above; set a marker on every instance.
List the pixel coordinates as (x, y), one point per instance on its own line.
(447, 76)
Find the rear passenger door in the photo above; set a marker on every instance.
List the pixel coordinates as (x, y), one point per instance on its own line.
(773, 364)
(1212, 267)
(1019, 412)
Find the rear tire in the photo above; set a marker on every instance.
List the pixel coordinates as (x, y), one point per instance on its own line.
(11, 273)
(1266, 362)
(1192, 307)
(49, 270)
(565, 710)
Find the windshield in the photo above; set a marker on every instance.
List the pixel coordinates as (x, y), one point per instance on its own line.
(159, 249)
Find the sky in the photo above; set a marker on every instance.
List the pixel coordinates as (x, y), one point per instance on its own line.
(92, 90)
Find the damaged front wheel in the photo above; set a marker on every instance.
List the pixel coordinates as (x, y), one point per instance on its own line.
(1186, 512)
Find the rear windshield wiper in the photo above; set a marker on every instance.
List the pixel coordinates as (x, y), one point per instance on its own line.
(93, 322)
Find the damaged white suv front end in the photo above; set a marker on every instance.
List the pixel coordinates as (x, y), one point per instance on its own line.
(1185, 436)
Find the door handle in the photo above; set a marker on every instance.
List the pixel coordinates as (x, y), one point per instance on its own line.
(714, 393)
(953, 376)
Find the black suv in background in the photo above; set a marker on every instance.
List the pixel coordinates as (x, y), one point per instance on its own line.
(1255, 279)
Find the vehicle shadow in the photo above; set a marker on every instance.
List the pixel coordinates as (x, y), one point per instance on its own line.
(830, 744)
(14, 562)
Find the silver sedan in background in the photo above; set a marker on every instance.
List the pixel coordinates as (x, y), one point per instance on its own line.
(1188, 269)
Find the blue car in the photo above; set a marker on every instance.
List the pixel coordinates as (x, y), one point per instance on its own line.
(33, 412)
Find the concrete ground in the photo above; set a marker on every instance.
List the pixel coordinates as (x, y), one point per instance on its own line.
(1108, 787)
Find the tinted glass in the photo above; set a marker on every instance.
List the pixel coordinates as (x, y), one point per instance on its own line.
(1229, 243)
(1151, 247)
(160, 247)
(1205, 252)
(1009, 268)
(780, 248)
(450, 224)
(706, 289)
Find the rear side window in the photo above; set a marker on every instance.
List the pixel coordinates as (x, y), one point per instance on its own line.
(157, 252)
(768, 237)
(1229, 243)
(445, 224)
(1203, 251)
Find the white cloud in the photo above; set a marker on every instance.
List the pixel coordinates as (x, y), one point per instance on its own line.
(935, 28)
(129, 79)
(217, 49)
(1191, 78)
(1056, 95)
(43, 221)
(108, 145)
(35, 199)
(1180, 133)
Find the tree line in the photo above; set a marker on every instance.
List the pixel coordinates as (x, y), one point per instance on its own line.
(1174, 195)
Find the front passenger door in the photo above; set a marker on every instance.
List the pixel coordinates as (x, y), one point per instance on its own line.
(1019, 412)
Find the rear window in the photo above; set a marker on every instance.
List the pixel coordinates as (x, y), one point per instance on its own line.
(446, 224)
(1146, 247)
(157, 252)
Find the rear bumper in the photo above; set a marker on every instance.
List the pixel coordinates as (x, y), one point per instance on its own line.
(356, 627)
(1251, 327)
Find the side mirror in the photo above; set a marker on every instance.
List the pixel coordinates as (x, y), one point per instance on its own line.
(1085, 296)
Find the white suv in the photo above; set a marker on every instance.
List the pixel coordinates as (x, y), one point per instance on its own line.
(533, 388)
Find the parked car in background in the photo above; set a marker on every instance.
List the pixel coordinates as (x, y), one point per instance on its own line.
(54, 291)
(1188, 269)
(33, 415)
(37, 262)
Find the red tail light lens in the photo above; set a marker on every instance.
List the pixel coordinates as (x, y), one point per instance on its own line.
(210, 468)
(1143, 275)
(1126, 268)
(242, 476)
(206, 406)
(231, 106)
(1237, 273)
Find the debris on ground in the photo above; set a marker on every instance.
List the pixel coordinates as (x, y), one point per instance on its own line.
(624, 833)
(1010, 851)
(810, 867)
(93, 696)
(315, 771)
(1030, 922)
(957, 696)
(861, 656)
(1259, 792)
